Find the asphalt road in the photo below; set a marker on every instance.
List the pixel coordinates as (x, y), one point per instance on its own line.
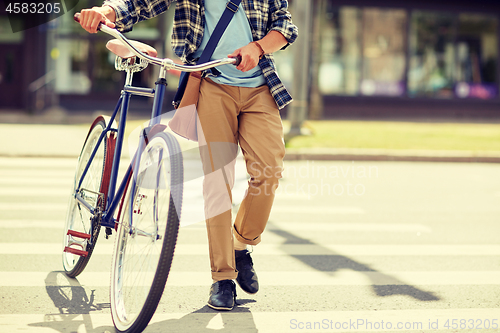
(362, 246)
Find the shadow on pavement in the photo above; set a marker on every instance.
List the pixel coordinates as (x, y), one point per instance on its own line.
(73, 303)
(332, 262)
(240, 319)
(75, 308)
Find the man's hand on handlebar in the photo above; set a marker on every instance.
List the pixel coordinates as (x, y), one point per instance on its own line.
(248, 57)
(91, 18)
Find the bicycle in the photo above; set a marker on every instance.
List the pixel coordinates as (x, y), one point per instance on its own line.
(148, 199)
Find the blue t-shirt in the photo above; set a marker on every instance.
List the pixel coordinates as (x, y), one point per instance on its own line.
(236, 35)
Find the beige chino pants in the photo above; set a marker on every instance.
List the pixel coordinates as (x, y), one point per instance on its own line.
(229, 116)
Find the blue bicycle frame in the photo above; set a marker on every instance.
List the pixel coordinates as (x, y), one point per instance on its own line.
(114, 196)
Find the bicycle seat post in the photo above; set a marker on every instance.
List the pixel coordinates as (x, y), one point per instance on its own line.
(130, 73)
(128, 79)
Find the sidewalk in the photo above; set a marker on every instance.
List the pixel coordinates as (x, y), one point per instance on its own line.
(58, 134)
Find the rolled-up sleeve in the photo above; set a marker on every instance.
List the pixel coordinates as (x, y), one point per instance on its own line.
(130, 12)
(281, 20)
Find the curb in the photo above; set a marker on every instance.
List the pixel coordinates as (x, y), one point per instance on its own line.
(390, 158)
(392, 155)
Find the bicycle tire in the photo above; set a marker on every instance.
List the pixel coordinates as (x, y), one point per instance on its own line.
(141, 257)
(96, 180)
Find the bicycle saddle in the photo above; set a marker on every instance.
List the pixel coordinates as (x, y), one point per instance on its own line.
(122, 51)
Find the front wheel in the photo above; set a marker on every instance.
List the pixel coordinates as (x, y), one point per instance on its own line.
(147, 233)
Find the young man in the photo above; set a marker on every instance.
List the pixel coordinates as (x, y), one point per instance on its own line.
(236, 106)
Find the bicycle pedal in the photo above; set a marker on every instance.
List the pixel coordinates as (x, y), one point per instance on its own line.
(73, 242)
(76, 251)
(78, 234)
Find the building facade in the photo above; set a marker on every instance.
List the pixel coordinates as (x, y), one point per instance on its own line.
(58, 63)
(429, 58)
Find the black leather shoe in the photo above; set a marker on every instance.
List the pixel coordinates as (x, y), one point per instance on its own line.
(222, 295)
(247, 278)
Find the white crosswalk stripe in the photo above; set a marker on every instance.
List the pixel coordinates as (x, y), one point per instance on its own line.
(33, 181)
(283, 278)
(404, 298)
(33, 206)
(25, 192)
(287, 249)
(318, 210)
(271, 322)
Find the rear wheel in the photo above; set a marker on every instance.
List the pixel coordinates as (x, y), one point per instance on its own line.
(147, 233)
(82, 229)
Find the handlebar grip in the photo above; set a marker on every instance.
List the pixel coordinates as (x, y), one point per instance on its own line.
(238, 61)
(76, 17)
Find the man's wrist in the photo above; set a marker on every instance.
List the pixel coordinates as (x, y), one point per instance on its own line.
(261, 50)
(107, 11)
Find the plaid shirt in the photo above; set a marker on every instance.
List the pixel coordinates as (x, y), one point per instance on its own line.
(189, 25)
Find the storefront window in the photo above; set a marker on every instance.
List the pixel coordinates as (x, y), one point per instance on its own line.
(339, 72)
(363, 52)
(377, 52)
(432, 55)
(384, 57)
(453, 55)
(476, 57)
